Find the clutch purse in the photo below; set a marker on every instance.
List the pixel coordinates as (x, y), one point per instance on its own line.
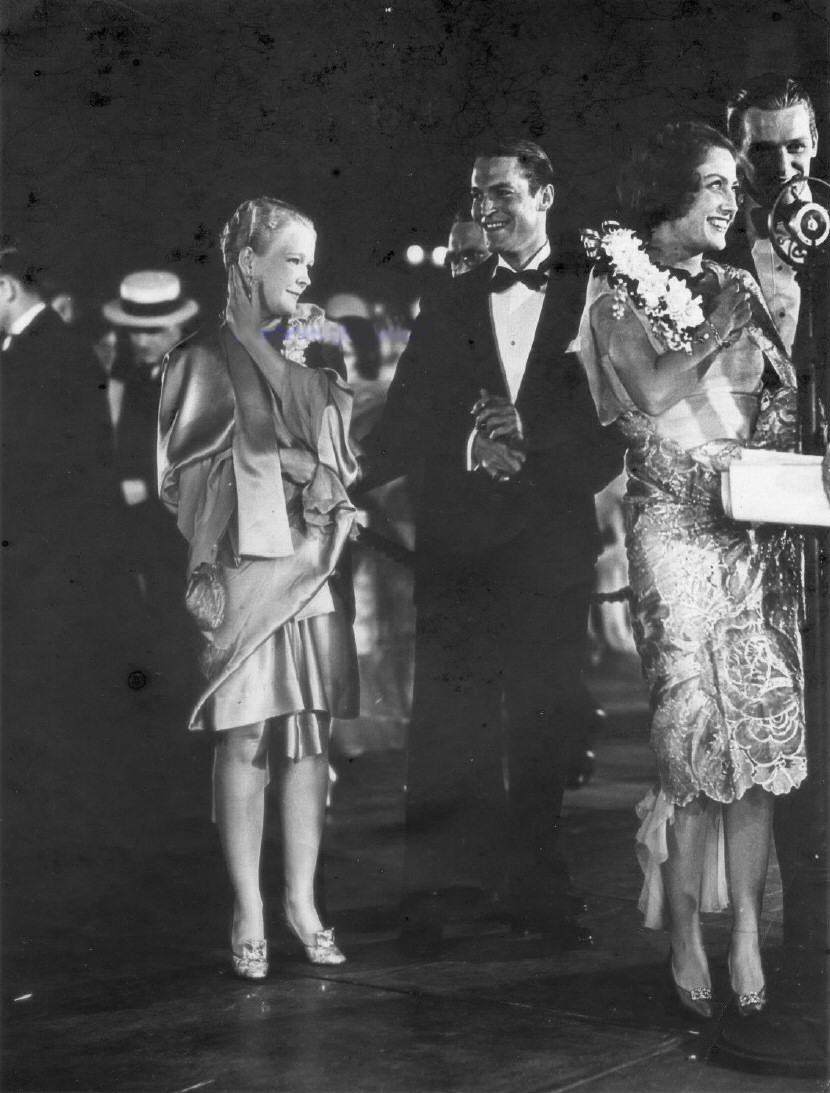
(205, 596)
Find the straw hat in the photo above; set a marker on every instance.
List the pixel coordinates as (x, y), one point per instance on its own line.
(150, 298)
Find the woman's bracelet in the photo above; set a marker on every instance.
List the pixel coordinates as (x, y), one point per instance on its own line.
(715, 333)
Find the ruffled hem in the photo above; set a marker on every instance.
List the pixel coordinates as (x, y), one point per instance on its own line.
(306, 670)
(303, 734)
(656, 812)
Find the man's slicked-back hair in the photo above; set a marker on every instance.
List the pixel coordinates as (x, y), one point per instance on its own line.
(768, 91)
(17, 262)
(464, 216)
(533, 161)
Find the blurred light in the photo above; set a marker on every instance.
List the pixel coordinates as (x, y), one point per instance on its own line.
(341, 304)
(415, 255)
(439, 256)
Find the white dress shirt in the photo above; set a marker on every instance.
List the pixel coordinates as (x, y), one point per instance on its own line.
(779, 287)
(515, 316)
(21, 322)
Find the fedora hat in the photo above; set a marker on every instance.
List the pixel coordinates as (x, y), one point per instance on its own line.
(150, 298)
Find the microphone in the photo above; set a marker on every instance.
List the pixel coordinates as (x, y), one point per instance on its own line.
(799, 229)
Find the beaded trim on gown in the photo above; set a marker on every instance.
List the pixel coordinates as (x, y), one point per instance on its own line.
(715, 603)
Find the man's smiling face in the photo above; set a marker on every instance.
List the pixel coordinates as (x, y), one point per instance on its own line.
(514, 219)
(776, 146)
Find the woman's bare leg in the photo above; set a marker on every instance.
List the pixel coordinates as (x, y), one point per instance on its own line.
(303, 805)
(682, 877)
(239, 780)
(748, 834)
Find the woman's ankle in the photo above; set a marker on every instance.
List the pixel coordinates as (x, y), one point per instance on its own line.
(688, 958)
(302, 913)
(248, 923)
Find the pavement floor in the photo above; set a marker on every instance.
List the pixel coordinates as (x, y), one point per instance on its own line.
(123, 983)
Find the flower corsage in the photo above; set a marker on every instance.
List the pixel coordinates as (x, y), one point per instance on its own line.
(303, 328)
(672, 310)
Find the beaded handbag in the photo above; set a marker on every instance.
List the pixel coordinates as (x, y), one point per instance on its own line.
(205, 596)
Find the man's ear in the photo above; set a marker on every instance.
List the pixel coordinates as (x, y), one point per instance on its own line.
(544, 198)
(9, 287)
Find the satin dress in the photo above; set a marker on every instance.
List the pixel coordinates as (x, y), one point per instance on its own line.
(715, 603)
(284, 651)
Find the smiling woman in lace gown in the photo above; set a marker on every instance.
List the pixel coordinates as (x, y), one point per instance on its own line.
(682, 354)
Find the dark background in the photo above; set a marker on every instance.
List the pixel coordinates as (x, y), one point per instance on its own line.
(133, 129)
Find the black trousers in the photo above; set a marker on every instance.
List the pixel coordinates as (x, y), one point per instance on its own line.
(498, 699)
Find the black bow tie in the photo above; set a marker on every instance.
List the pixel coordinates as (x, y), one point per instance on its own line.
(504, 278)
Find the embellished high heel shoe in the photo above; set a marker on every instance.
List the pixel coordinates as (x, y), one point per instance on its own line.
(253, 961)
(751, 1002)
(323, 950)
(697, 1001)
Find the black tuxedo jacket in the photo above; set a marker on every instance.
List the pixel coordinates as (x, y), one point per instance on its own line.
(451, 357)
(55, 442)
(738, 251)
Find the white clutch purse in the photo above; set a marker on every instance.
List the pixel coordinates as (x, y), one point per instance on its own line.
(764, 487)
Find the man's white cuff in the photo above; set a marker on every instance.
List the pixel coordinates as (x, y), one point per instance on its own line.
(469, 464)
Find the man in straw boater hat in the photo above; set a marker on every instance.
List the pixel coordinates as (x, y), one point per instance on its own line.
(150, 316)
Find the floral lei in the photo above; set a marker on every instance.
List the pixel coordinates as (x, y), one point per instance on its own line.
(670, 306)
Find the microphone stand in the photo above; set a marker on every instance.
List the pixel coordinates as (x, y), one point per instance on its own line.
(791, 1036)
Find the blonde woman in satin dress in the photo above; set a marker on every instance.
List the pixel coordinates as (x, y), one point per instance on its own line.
(254, 462)
(715, 603)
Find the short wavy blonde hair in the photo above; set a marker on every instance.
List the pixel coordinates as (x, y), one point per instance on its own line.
(254, 224)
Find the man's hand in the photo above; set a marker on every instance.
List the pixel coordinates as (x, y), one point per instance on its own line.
(496, 458)
(497, 417)
(298, 465)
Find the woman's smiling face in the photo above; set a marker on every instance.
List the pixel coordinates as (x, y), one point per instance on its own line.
(283, 271)
(704, 226)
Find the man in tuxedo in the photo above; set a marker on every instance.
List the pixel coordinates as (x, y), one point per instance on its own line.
(65, 608)
(498, 416)
(772, 123)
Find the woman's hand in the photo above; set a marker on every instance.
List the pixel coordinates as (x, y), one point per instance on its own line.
(243, 313)
(298, 465)
(732, 310)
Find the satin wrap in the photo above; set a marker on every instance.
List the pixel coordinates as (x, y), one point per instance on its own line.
(222, 424)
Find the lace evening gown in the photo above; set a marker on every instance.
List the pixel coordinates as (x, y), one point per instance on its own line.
(715, 603)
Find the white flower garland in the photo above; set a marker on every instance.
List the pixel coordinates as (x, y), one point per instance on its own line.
(672, 310)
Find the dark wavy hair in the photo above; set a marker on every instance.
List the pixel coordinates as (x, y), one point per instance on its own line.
(768, 91)
(533, 161)
(661, 179)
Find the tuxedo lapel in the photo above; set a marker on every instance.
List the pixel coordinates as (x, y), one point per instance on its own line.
(554, 330)
(738, 251)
